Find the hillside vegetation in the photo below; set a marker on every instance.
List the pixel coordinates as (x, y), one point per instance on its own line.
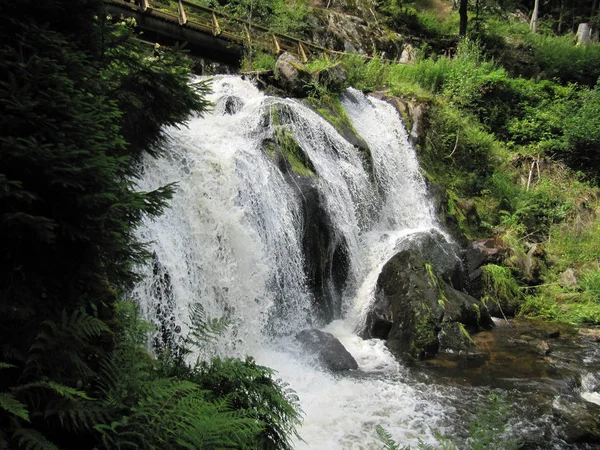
(512, 134)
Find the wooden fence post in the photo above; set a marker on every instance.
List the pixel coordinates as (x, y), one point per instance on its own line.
(302, 53)
(247, 34)
(215, 25)
(277, 46)
(182, 17)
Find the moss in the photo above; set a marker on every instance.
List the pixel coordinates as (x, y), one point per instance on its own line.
(477, 312)
(435, 283)
(287, 146)
(330, 108)
(465, 333)
(424, 342)
(295, 156)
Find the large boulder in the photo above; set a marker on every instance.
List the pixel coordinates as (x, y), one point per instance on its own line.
(333, 77)
(352, 34)
(419, 313)
(479, 253)
(291, 76)
(328, 349)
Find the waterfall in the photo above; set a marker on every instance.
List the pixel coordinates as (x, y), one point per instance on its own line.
(234, 240)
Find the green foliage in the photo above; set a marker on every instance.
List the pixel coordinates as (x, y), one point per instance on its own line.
(251, 388)
(582, 133)
(558, 57)
(278, 15)
(367, 74)
(80, 101)
(501, 287)
(488, 430)
(257, 61)
(386, 439)
(168, 403)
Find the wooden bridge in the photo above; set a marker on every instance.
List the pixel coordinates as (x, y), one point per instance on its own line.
(208, 32)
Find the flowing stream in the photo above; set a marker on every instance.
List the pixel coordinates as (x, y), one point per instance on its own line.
(232, 241)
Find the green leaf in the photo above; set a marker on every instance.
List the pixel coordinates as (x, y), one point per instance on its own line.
(12, 405)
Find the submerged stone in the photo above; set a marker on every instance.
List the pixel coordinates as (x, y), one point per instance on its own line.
(328, 349)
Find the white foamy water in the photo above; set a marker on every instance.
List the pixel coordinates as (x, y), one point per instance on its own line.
(232, 241)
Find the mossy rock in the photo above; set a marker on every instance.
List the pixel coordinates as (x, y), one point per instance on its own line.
(330, 108)
(424, 311)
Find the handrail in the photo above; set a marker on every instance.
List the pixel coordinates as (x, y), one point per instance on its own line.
(240, 31)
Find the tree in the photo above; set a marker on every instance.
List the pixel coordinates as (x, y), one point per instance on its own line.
(462, 12)
(534, 16)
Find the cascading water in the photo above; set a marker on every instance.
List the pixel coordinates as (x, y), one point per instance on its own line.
(232, 240)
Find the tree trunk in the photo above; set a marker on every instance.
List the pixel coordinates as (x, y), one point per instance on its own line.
(462, 12)
(534, 16)
(561, 16)
(594, 7)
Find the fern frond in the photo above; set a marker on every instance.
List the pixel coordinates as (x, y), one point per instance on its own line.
(12, 405)
(386, 439)
(202, 328)
(83, 325)
(78, 415)
(6, 365)
(30, 439)
(60, 389)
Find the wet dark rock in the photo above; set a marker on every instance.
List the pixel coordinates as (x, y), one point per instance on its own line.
(328, 349)
(326, 260)
(229, 105)
(477, 254)
(554, 334)
(579, 421)
(454, 338)
(544, 348)
(291, 76)
(421, 306)
(333, 78)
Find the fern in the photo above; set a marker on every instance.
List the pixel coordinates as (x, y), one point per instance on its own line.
(78, 416)
(177, 414)
(203, 329)
(12, 405)
(62, 390)
(30, 439)
(386, 439)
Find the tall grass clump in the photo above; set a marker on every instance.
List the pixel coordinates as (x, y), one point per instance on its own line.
(557, 57)
(367, 74)
(501, 287)
(256, 60)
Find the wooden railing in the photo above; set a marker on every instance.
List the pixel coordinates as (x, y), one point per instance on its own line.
(209, 21)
